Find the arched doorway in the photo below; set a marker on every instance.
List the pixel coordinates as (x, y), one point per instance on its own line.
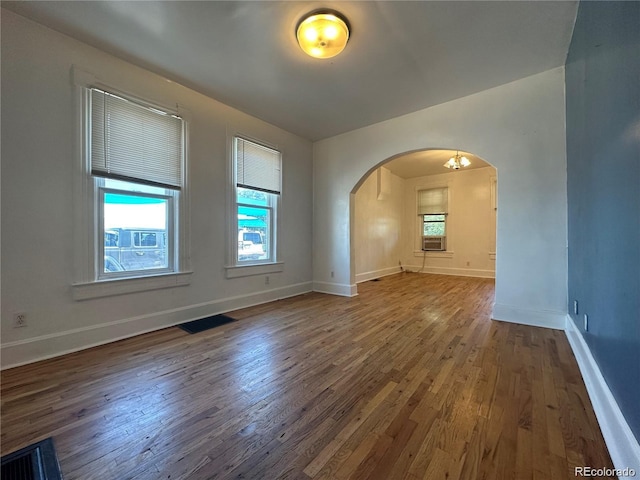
(520, 128)
(389, 224)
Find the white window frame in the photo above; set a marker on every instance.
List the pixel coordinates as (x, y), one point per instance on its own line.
(435, 221)
(273, 263)
(272, 241)
(419, 222)
(88, 279)
(173, 201)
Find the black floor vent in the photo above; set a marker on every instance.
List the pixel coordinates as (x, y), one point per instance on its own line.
(35, 462)
(205, 324)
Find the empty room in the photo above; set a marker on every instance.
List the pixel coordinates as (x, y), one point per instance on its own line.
(306, 240)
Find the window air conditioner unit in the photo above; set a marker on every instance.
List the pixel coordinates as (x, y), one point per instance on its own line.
(430, 244)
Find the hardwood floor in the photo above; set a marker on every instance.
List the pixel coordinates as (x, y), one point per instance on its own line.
(409, 380)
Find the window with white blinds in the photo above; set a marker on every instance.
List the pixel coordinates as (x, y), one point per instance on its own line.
(434, 200)
(135, 142)
(257, 167)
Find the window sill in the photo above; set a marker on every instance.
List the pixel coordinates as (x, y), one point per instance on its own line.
(238, 271)
(121, 286)
(433, 254)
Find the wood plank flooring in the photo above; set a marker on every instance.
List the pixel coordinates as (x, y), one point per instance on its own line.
(409, 380)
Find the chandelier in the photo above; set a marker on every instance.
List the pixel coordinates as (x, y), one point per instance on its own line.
(457, 161)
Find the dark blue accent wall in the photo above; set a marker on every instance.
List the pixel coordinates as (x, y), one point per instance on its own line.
(603, 188)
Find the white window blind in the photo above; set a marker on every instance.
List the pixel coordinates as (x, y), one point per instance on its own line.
(134, 142)
(257, 167)
(434, 200)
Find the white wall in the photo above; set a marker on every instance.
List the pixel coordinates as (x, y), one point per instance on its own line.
(378, 225)
(518, 128)
(471, 225)
(39, 150)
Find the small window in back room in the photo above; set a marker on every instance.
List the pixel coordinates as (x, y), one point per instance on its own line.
(434, 225)
(433, 208)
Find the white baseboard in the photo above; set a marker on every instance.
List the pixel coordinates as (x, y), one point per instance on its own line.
(458, 272)
(341, 289)
(366, 276)
(622, 444)
(535, 318)
(47, 346)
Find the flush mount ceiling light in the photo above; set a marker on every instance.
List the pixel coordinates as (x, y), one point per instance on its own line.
(457, 161)
(323, 33)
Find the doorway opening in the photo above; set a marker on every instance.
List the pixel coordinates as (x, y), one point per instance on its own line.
(410, 213)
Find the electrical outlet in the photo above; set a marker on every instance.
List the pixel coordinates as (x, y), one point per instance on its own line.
(575, 307)
(19, 320)
(586, 322)
(332, 274)
(266, 280)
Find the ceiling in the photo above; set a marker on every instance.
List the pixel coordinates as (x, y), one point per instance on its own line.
(429, 162)
(401, 57)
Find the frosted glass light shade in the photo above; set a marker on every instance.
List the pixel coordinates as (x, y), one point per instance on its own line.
(322, 35)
